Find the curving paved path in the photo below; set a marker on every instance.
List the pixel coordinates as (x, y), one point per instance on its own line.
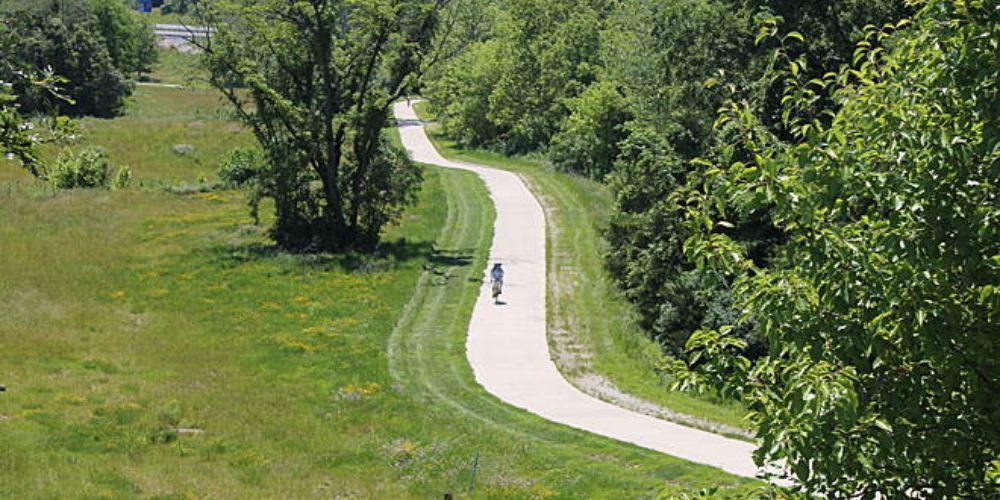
(507, 345)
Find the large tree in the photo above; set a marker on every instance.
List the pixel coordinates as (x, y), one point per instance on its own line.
(314, 80)
(881, 308)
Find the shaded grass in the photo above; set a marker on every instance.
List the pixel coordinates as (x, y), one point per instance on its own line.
(425, 111)
(585, 304)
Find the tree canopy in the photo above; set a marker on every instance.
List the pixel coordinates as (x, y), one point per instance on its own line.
(881, 306)
(314, 81)
(95, 46)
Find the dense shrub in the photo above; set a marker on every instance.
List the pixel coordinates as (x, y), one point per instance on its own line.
(588, 139)
(462, 95)
(661, 53)
(130, 41)
(88, 168)
(509, 92)
(241, 167)
(645, 255)
(179, 6)
(676, 63)
(122, 178)
(246, 168)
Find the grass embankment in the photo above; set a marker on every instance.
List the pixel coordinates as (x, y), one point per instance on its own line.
(592, 328)
(154, 345)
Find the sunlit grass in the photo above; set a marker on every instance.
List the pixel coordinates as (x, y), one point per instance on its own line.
(156, 119)
(174, 67)
(128, 316)
(157, 345)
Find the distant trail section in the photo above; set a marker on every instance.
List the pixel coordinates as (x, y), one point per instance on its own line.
(507, 345)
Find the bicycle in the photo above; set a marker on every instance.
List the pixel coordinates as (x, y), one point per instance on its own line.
(497, 289)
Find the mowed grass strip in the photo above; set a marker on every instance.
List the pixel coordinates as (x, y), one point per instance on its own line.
(598, 327)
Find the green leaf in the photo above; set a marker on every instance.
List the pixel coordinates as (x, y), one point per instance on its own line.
(882, 424)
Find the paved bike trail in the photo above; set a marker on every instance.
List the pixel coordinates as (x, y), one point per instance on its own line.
(507, 345)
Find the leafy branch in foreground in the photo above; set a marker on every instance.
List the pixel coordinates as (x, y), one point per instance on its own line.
(314, 81)
(881, 309)
(19, 138)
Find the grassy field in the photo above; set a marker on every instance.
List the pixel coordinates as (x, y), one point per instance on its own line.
(176, 68)
(167, 136)
(156, 345)
(592, 328)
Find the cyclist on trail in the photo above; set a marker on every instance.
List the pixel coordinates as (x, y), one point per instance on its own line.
(496, 277)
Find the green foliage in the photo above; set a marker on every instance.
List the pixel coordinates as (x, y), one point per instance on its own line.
(642, 50)
(242, 167)
(677, 62)
(508, 92)
(662, 53)
(320, 79)
(881, 307)
(92, 46)
(587, 141)
(646, 236)
(130, 41)
(19, 138)
(462, 94)
(122, 178)
(16, 141)
(88, 168)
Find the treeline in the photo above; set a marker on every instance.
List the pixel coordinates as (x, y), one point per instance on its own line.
(805, 207)
(95, 47)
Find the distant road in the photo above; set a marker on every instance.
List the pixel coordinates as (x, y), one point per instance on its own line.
(179, 36)
(180, 30)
